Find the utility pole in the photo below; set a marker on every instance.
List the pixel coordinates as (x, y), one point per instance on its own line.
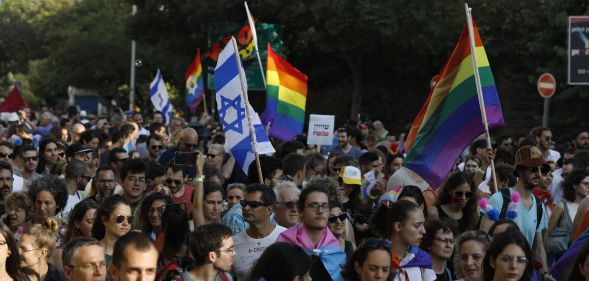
(133, 54)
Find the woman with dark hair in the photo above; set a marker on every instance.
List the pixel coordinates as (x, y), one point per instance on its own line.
(501, 225)
(50, 196)
(575, 189)
(36, 246)
(336, 223)
(414, 194)
(402, 223)
(282, 262)
(9, 267)
(581, 266)
(81, 220)
(48, 155)
(371, 261)
(172, 243)
(149, 219)
(457, 201)
(113, 220)
(471, 247)
(508, 258)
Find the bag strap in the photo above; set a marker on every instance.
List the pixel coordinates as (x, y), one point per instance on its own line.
(538, 212)
(506, 200)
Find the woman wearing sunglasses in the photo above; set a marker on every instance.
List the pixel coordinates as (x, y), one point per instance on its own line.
(336, 223)
(36, 246)
(402, 223)
(457, 201)
(113, 220)
(509, 258)
(370, 262)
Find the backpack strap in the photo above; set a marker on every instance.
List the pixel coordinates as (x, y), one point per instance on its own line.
(506, 200)
(538, 212)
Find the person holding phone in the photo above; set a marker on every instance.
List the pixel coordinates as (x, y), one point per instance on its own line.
(184, 153)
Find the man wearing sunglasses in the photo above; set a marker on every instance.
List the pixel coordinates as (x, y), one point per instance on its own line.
(176, 179)
(188, 144)
(154, 147)
(531, 214)
(28, 159)
(6, 154)
(257, 207)
(77, 176)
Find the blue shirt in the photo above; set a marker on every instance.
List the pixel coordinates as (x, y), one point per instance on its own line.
(526, 219)
(234, 220)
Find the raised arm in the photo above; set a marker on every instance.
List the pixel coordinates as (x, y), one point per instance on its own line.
(197, 201)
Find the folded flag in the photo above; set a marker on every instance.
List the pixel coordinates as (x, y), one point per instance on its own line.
(451, 119)
(286, 95)
(195, 86)
(160, 98)
(230, 84)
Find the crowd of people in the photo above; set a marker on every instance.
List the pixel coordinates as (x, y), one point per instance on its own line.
(130, 197)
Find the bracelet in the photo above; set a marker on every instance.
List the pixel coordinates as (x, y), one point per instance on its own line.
(198, 179)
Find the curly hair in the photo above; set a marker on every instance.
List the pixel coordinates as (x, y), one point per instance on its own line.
(52, 184)
(106, 208)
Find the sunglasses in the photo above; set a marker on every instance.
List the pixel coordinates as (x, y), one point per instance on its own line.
(289, 204)
(121, 218)
(467, 194)
(31, 159)
(175, 182)
(157, 147)
(5, 155)
(253, 204)
(342, 217)
(212, 156)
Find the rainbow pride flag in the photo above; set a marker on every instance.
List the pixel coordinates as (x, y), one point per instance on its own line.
(286, 96)
(195, 86)
(451, 119)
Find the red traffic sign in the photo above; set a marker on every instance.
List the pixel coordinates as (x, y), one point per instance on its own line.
(546, 85)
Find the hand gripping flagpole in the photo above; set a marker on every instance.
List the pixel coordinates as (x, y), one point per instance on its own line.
(252, 24)
(477, 80)
(243, 81)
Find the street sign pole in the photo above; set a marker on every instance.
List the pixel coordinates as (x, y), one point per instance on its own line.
(546, 111)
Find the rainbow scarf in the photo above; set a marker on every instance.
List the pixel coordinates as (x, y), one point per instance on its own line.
(328, 249)
(451, 119)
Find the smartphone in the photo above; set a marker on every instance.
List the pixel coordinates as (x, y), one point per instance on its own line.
(185, 158)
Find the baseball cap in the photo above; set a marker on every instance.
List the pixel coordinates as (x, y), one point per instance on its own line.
(529, 156)
(76, 148)
(351, 175)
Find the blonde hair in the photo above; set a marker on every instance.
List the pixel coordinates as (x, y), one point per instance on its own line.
(218, 147)
(44, 234)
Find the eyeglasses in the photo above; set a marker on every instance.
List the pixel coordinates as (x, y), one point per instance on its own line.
(253, 204)
(175, 182)
(25, 250)
(534, 170)
(107, 182)
(448, 241)
(31, 159)
(376, 243)
(316, 206)
(510, 259)
(467, 194)
(212, 156)
(121, 218)
(342, 217)
(91, 267)
(229, 250)
(5, 155)
(157, 147)
(545, 170)
(136, 179)
(290, 204)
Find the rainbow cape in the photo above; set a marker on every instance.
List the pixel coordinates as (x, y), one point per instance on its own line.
(451, 119)
(286, 96)
(195, 86)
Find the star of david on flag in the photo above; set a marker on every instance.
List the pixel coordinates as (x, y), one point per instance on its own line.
(231, 104)
(160, 98)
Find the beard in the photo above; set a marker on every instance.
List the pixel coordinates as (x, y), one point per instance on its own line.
(4, 191)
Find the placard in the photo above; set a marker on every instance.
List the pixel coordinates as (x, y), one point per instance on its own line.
(321, 129)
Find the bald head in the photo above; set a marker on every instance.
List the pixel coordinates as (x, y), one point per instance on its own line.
(188, 140)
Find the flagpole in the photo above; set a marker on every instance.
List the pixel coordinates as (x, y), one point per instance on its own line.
(477, 80)
(250, 19)
(242, 80)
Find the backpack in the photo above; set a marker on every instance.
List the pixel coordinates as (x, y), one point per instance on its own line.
(507, 199)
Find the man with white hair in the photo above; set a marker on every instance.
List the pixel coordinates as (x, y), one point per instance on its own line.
(286, 213)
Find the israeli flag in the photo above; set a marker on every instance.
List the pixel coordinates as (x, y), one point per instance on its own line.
(160, 98)
(230, 84)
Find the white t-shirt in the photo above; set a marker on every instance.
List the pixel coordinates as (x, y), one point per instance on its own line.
(72, 200)
(248, 250)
